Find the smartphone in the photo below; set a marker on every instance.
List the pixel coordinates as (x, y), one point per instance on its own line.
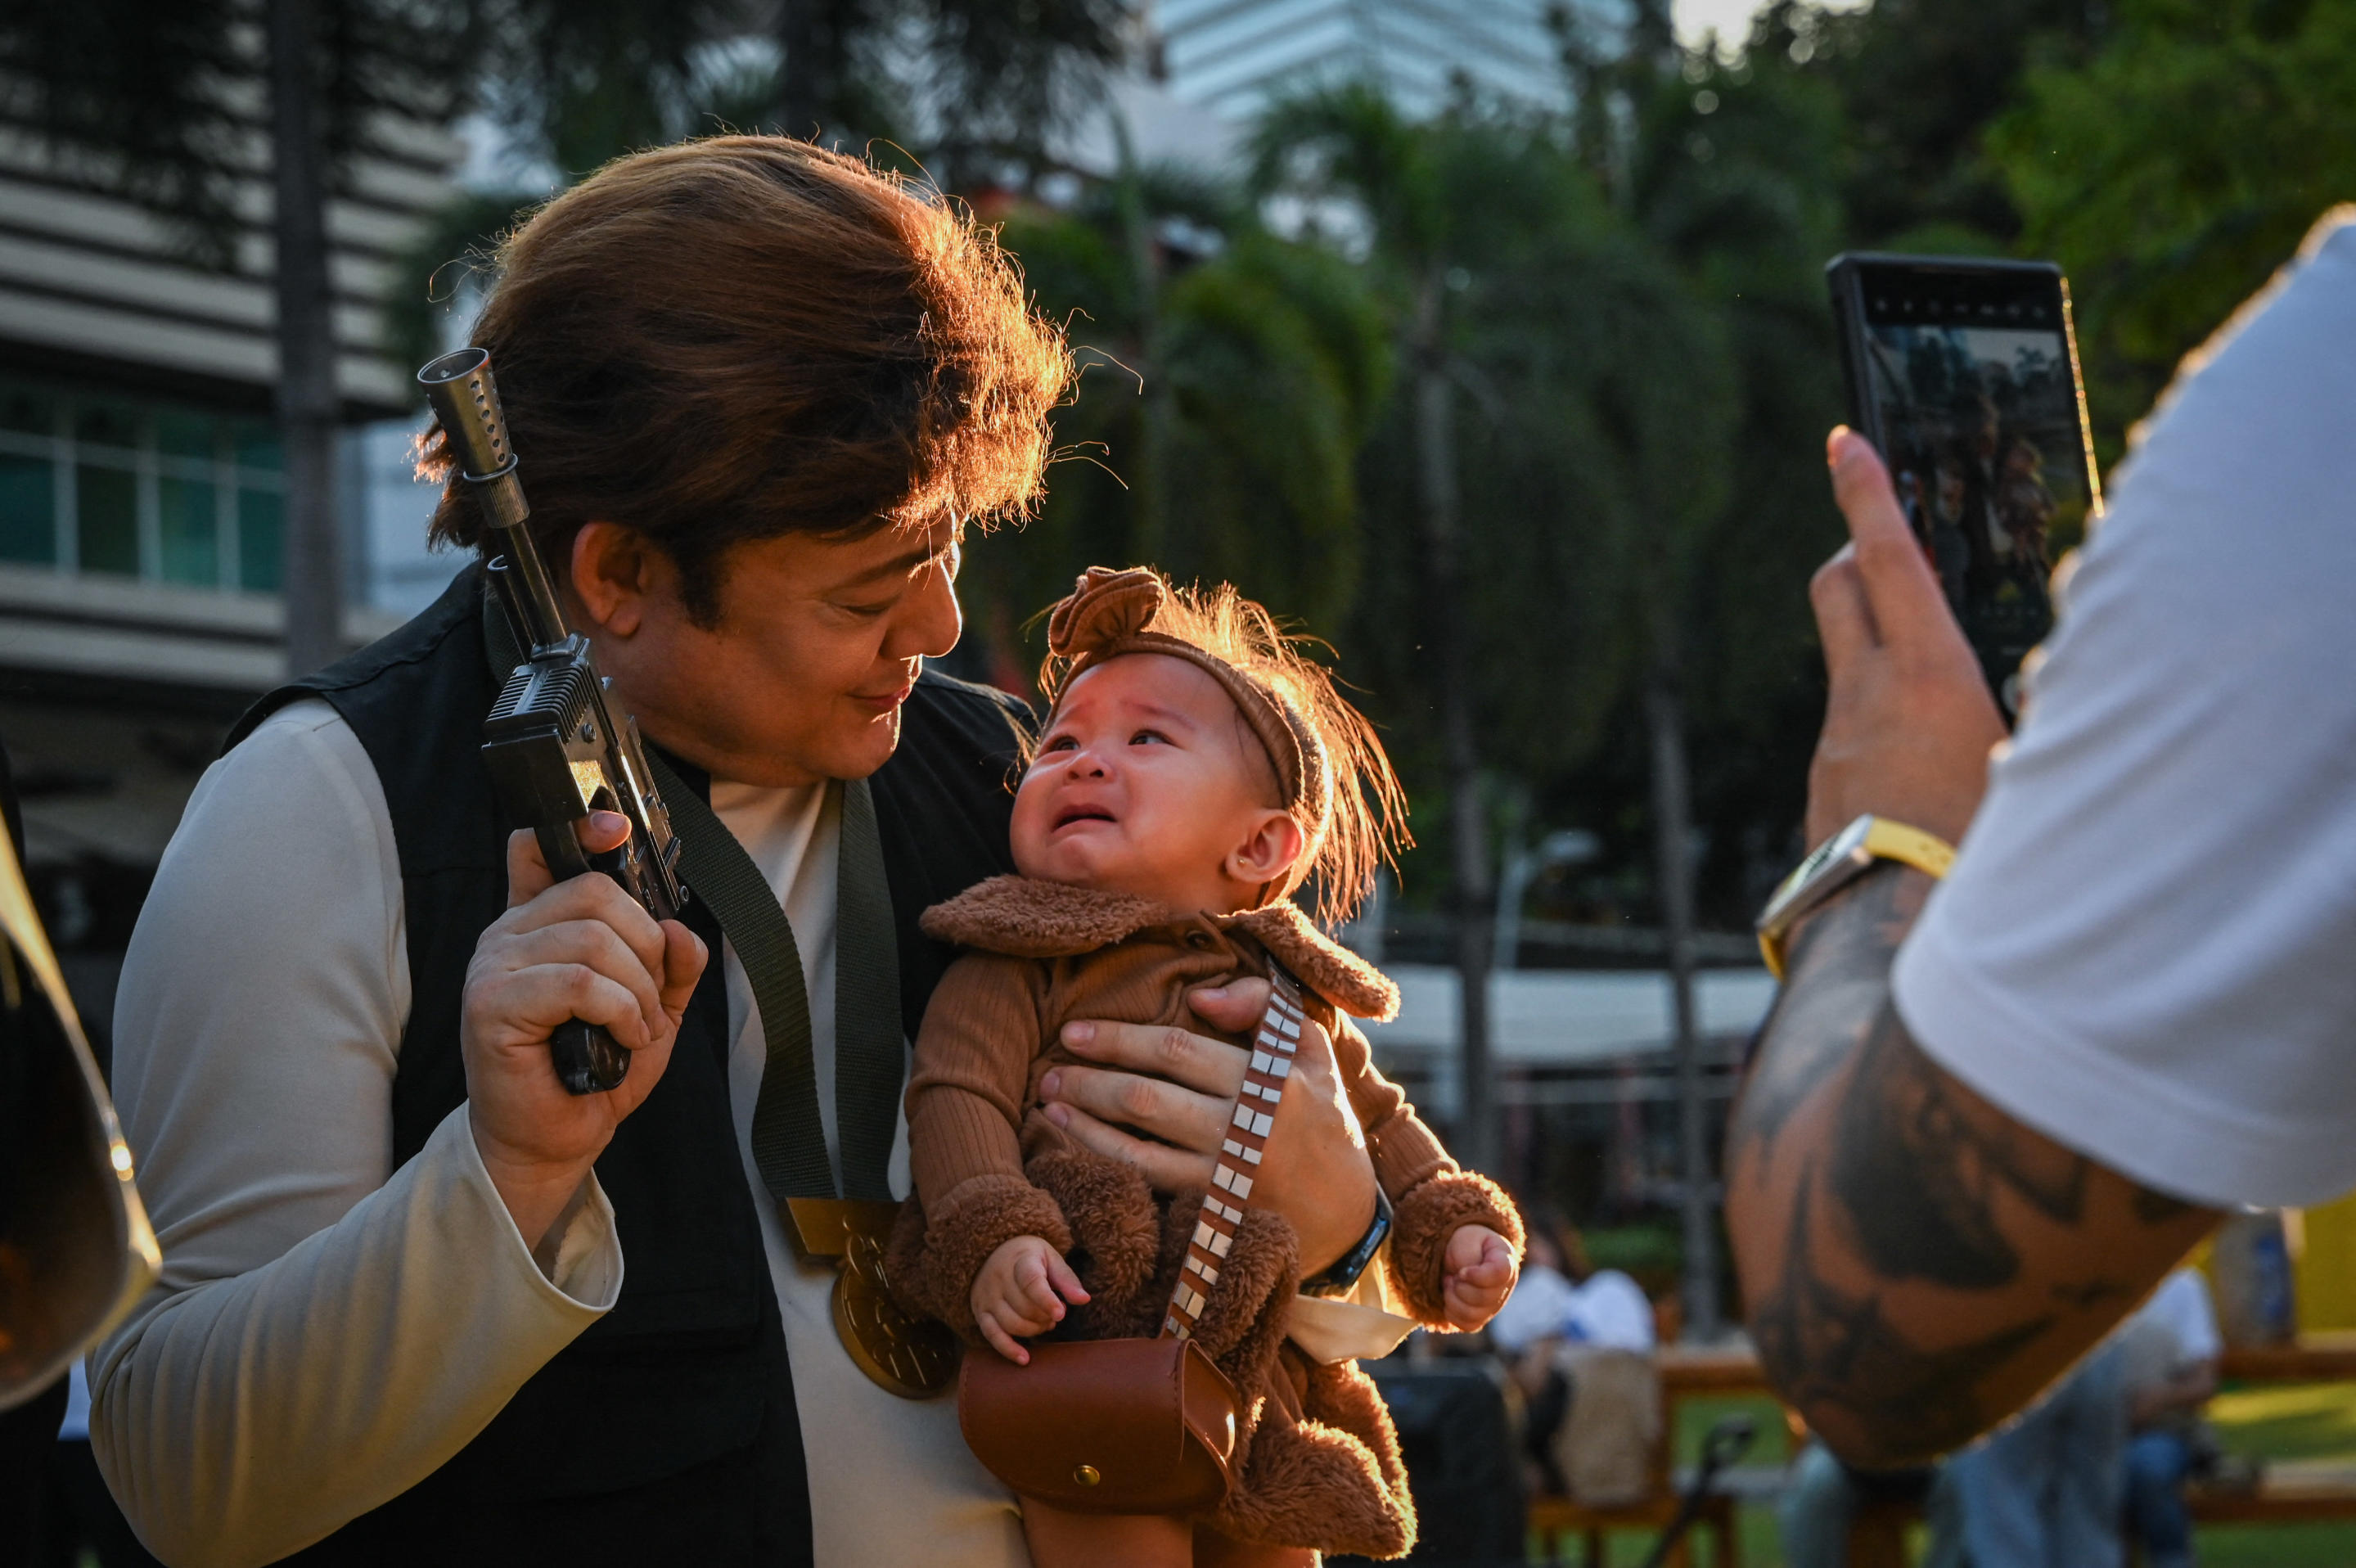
(1964, 374)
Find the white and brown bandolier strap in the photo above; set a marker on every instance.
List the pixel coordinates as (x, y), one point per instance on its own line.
(1239, 1156)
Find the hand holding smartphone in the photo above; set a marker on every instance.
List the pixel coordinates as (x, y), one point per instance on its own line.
(1964, 374)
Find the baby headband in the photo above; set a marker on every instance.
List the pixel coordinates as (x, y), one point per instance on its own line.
(1106, 616)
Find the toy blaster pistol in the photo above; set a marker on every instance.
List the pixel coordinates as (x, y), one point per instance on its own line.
(555, 747)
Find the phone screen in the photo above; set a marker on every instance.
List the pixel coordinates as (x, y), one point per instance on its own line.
(1966, 377)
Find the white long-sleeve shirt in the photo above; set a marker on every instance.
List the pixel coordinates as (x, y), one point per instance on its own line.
(329, 1330)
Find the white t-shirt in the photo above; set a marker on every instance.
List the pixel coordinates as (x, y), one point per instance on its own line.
(2180, 1308)
(1608, 1310)
(2170, 1333)
(1538, 1307)
(2147, 947)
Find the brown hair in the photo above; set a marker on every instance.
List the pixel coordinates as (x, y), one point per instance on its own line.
(740, 337)
(1326, 767)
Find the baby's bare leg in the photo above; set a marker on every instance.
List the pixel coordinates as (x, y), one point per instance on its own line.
(1062, 1539)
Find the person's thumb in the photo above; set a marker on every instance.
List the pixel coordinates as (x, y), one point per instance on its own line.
(1236, 1005)
(1060, 1275)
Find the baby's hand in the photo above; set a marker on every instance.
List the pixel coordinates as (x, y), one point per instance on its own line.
(1479, 1275)
(1015, 1294)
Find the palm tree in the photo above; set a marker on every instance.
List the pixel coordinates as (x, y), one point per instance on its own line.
(1228, 379)
(1606, 318)
(1351, 144)
(1709, 175)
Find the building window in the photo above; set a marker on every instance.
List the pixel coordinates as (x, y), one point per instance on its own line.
(158, 492)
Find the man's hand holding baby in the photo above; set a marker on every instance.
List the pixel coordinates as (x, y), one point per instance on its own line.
(1478, 1275)
(1015, 1295)
(1317, 1175)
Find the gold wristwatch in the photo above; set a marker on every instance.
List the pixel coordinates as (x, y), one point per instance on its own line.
(1839, 861)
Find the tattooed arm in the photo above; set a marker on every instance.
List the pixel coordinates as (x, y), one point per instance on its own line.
(1917, 1264)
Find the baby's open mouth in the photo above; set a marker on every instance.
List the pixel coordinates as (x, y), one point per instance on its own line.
(1070, 814)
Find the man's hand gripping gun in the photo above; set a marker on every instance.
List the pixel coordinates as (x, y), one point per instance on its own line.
(556, 748)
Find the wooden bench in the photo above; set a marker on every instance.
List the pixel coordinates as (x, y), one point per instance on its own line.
(2287, 1491)
(1554, 1518)
(1684, 1373)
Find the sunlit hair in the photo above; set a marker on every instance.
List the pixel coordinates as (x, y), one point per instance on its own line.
(742, 336)
(1366, 820)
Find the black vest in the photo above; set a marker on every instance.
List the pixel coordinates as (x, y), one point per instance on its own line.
(668, 1429)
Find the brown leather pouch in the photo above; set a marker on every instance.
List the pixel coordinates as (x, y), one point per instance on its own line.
(1143, 1426)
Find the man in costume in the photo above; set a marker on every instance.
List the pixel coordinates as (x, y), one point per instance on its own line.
(420, 1305)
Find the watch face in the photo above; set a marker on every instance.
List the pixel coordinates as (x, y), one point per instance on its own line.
(1839, 847)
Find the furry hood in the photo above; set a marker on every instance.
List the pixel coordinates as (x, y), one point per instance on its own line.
(1025, 918)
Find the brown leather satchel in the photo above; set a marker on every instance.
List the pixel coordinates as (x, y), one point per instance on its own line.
(1104, 1426)
(1140, 1426)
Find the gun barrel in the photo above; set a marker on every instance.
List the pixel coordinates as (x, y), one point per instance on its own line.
(466, 399)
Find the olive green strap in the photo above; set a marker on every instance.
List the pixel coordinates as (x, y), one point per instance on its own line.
(869, 1049)
(789, 1137)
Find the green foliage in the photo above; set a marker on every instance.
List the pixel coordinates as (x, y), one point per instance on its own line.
(1271, 363)
(1919, 81)
(1635, 327)
(2174, 171)
(451, 258)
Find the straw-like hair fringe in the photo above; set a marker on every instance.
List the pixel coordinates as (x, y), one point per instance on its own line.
(1366, 820)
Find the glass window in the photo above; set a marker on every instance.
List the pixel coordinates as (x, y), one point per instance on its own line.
(109, 507)
(106, 424)
(179, 434)
(26, 411)
(259, 522)
(28, 526)
(191, 549)
(257, 444)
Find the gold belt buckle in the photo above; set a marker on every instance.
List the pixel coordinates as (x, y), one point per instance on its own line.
(914, 1358)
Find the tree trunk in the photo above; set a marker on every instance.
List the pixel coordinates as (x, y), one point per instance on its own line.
(307, 403)
(813, 37)
(1468, 860)
(1672, 844)
(1149, 498)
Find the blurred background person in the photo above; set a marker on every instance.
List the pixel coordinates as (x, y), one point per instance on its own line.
(1564, 1309)
(2171, 1350)
(2045, 1491)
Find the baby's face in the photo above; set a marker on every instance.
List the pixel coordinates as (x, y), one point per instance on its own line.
(1149, 782)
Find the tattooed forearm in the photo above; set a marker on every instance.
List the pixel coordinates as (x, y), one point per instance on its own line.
(2158, 1209)
(1859, 1379)
(1920, 1263)
(1839, 970)
(1917, 1169)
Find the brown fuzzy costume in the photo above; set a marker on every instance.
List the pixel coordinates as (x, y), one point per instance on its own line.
(1316, 1462)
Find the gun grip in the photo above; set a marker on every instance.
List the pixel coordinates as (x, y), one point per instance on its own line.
(588, 1060)
(560, 848)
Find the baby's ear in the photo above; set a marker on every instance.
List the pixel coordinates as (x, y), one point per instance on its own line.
(1270, 851)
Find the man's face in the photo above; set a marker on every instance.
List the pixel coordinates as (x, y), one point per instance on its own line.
(817, 642)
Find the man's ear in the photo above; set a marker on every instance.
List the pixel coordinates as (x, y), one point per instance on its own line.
(616, 571)
(1268, 852)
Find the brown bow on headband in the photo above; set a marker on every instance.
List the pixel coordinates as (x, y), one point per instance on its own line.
(1107, 616)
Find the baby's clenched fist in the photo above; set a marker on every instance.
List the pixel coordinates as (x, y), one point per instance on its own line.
(1477, 1275)
(1014, 1295)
